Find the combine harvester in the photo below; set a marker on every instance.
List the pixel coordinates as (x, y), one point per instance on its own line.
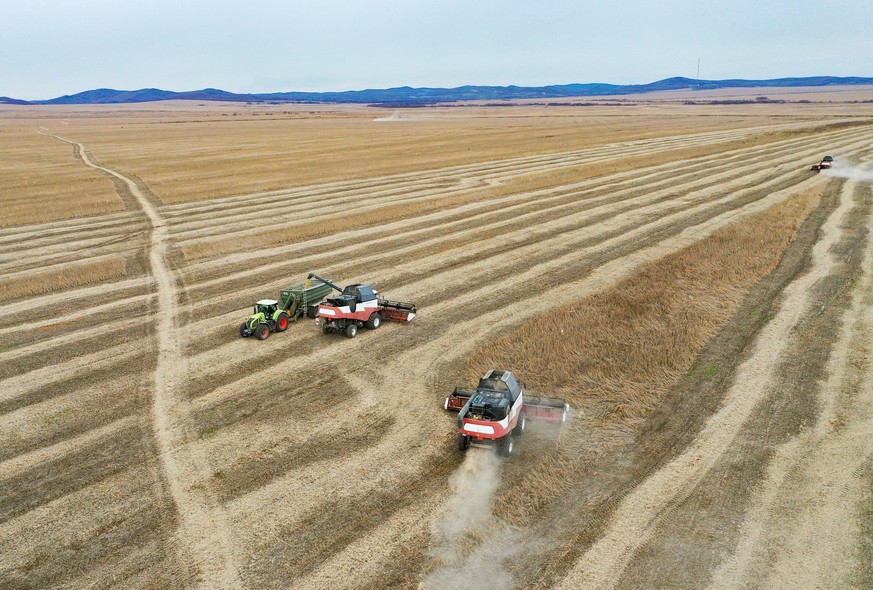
(826, 163)
(294, 302)
(358, 305)
(496, 412)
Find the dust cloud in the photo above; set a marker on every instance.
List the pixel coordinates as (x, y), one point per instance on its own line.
(395, 116)
(850, 171)
(469, 546)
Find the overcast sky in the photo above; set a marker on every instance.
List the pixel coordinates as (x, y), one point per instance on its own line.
(53, 47)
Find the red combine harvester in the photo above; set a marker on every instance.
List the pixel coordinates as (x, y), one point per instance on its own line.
(496, 412)
(358, 305)
(825, 164)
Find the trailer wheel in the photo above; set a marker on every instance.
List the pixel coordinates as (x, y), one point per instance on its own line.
(506, 445)
(262, 331)
(463, 442)
(243, 327)
(282, 322)
(520, 424)
(312, 312)
(374, 322)
(351, 330)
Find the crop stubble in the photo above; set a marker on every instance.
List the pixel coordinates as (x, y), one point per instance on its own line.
(327, 467)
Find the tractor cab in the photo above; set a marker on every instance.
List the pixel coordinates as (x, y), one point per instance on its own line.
(267, 307)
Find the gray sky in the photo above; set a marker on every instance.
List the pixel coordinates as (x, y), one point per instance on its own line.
(53, 47)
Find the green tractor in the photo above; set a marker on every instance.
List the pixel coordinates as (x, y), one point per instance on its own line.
(300, 300)
(266, 318)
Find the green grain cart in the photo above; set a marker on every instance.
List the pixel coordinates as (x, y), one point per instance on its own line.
(297, 301)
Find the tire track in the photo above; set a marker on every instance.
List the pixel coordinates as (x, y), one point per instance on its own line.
(440, 346)
(640, 512)
(819, 469)
(205, 536)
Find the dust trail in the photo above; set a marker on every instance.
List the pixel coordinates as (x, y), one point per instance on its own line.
(395, 116)
(470, 548)
(850, 171)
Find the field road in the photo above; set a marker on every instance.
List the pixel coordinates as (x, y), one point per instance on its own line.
(143, 444)
(203, 532)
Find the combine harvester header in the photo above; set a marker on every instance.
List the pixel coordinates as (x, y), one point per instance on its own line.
(496, 412)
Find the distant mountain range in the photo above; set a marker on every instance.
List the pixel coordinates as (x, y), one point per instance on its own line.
(416, 96)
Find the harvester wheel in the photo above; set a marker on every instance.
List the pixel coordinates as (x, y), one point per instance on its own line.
(506, 445)
(374, 322)
(262, 331)
(243, 327)
(325, 327)
(351, 330)
(520, 424)
(463, 442)
(282, 322)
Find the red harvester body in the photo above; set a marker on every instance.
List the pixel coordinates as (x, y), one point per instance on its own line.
(496, 412)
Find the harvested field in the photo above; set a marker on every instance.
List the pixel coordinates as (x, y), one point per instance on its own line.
(699, 296)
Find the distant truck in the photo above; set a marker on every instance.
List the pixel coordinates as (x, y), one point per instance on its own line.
(299, 300)
(825, 164)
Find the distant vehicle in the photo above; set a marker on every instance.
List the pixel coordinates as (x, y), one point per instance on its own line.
(825, 164)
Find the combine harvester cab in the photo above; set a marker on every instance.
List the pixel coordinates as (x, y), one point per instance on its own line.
(359, 306)
(299, 300)
(496, 412)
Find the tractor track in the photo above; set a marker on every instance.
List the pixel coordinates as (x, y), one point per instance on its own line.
(204, 536)
(522, 222)
(569, 247)
(659, 496)
(305, 473)
(281, 487)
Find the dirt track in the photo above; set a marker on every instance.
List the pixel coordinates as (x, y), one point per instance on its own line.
(223, 462)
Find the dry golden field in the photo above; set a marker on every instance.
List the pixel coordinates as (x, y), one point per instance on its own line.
(675, 272)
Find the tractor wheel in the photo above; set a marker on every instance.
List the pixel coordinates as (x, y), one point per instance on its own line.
(506, 445)
(463, 442)
(282, 322)
(374, 322)
(352, 330)
(262, 331)
(520, 424)
(243, 327)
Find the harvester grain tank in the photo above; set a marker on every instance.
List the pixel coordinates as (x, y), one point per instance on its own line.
(299, 300)
(496, 412)
(357, 306)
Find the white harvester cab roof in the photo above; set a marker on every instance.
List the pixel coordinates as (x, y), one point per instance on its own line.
(267, 302)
